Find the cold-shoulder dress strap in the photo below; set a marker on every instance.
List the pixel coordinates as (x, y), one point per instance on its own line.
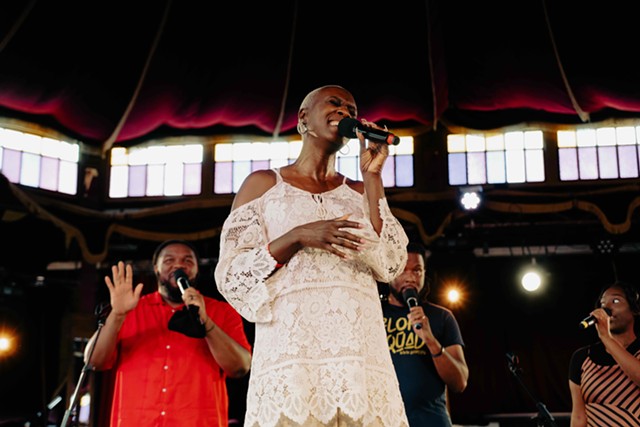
(278, 176)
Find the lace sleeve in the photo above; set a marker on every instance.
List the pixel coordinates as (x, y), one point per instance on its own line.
(245, 263)
(387, 254)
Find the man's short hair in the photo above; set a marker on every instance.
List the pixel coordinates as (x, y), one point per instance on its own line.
(420, 249)
(166, 243)
(417, 248)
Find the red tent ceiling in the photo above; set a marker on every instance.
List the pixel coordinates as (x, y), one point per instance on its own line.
(116, 72)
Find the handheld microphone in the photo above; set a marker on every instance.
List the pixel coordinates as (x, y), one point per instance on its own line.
(591, 320)
(347, 128)
(183, 283)
(410, 296)
(182, 280)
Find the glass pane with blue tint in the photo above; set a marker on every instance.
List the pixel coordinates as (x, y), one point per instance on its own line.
(68, 178)
(30, 170)
(568, 164)
(174, 181)
(608, 162)
(515, 165)
(534, 165)
(49, 173)
(388, 172)
(477, 168)
(241, 170)
(457, 169)
(222, 181)
(628, 161)
(259, 165)
(192, 178)
(588, 163)
(155, 180)
(496, 167)
(278, 163)
(137, 181)
(404, 171)
(11, 165)
(118, 181)
(348, 166)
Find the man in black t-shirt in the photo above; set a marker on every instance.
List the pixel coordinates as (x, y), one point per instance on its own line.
(426, 346)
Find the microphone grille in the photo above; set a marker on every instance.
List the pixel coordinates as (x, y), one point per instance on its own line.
(180, 274)
(409, 293)
(347, 127)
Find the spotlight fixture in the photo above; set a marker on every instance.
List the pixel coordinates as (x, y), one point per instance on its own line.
(532, 277)
(605, 247)
(470, 197)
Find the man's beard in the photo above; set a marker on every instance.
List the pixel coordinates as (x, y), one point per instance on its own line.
(398, 296)
(171, 293)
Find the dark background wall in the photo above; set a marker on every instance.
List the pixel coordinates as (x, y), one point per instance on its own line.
(496, 317)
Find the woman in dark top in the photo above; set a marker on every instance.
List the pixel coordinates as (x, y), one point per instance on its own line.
(604, 378)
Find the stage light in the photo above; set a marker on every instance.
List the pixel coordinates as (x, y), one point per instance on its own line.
(8, 344)
(531, 281)
(453, 295)
(605, 247)
(470, 197)
(532, 277)
(453, 292)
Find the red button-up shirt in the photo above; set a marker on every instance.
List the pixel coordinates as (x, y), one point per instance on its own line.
(165, 378)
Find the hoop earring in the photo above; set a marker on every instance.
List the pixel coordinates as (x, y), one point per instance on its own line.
(302, 128)
(347, 151)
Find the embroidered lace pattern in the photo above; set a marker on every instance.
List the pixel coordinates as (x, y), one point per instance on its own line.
(320, 354)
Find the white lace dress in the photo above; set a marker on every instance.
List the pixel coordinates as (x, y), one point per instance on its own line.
(320, 355)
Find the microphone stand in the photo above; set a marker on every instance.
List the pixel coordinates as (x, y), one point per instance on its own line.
(544, 417)
(86, 368)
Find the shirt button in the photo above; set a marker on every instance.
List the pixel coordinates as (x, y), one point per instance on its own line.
(166, 368)
(168, 347)
(162, 413)
(164, 390)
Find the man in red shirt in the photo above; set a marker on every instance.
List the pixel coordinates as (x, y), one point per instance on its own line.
(169, 376)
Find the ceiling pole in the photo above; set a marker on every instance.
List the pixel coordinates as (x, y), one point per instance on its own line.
(584, 116)
(434, 96)
(16, 26)
(285, 92)
(106, 146)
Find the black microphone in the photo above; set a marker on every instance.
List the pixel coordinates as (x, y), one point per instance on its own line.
(347, 128)
(183, 283)
(182, 280)
(410, 296)
(591, 320)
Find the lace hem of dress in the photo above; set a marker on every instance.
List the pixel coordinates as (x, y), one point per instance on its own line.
(340, 420)
(341, 399)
